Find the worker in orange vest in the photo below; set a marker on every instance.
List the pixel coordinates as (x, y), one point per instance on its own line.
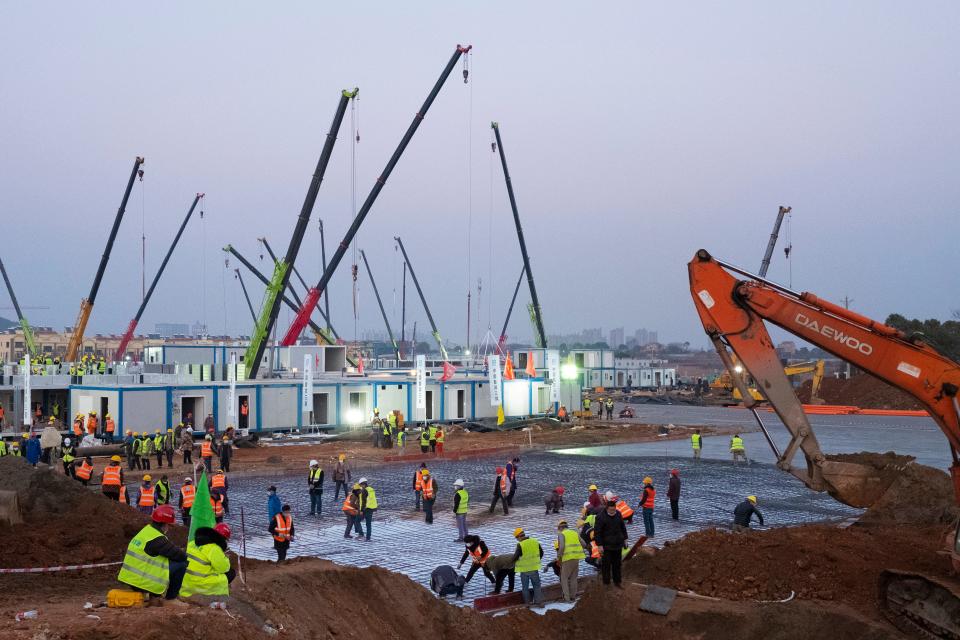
(92, 423)
(78, 426)
(219, 486)
(109, 426)
(351, 509)
(440, 437)
(282, 530)
(188, 493)
(418, 484)
(85, 471)
(646, 505)
(111, 479)
(206, 452)
(146, 496)
(216, 501)
(500, 490)
(429, 496)
(626, 513)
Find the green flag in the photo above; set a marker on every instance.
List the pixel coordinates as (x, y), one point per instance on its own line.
(201, 513)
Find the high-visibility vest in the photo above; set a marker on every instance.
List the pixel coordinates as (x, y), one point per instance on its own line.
(736, 444)
(218, 481)
(478, 555)
(529, 559)
(158, 442)
(572, 549)
(244, 409)
(110, 425)
(206, 574)
(695, 440)
(163, 492)
(433, 432)
(68, 452)
(78, 427)
(111, 475)
(348, 507)
(586, 404)
(418, 480)
(147, 497)
(424, 438)
(440, 436)
(512, 468)
(463, 506)
(217, 505)
(92, 423)
(400, 436)
(428, 489)
(651, 493)
(85, 470)
(206, 449)
(503, 479)
(591, 519)
(624, 509)
(15, 449)
(150, 573)
(392, 419)
(371, 498)
(284, 525)
(594, 549)
(3, 448)
(314, 474)
(188, 492)
(123, 495)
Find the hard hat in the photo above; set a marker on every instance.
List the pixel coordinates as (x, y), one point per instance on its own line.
(586, 505)
(314, 463)
(163, 513)
(223, 529)
(188, 479)
(376, 410)
(342, 457)
(93, 413)
(219, 470)
(66, 441)
(147, 477)
(425, 472)
(562, 523)
(648, 480)
(363, 481)
(458, 482)
(609, 495)
(752, 499)
(106, 415)
(592, 487)
(674, 472)
(208, 437)
(560, 490)
(226, 437)
(129, 432)
(25, 435)
(517, 532)
(114, 458)
(169, 430)
(156, 430)
(356, 485)
(50, 421)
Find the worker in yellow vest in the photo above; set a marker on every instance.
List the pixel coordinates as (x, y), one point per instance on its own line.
(527, 563)
(152, 563)
(208, 567)
(461, 506)
(696, 441)
(569, 554)
(368, 505)
(737, 448)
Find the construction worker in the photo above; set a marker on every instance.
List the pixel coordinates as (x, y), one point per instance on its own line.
(341, 476)
(225, 452)
(646, 505)
(123, 498)
(145, 450)
(744, 512)
(386, 433)
(188, 494)
(13, 449)
(111, 479)
(673, 494)
(68, 453)
(3, 447)
(109, 427)
(569, 554)
(610, 534)
(146, 496)
(162, 489)
(368, 505)
(92, 423)
(737, 448)
(219, 487)
(401, 440)
(429, 495)
(216, 503)
(168, 447)
(418, 484)
(594, 499)
(274, 506)
(376, 429)
(586, 405)
(32, 449)
(476, 549)
(554, 500)
(84, 471)
(696, 441)
(608, 405)
(501, 566)
(102, 366)
(208, 567)
(500, 490)
(526, 560)
(351, 509)
(461, 506)
(424, 440)
(127, 447)
(153, 564)
(625, 511)
(157, 442)
(511, 469)
(440, 438)
(186, 445)
(78, 426)
(206, 452)
(392, 423)
(315, 482)
(432, 429)
(600, 403)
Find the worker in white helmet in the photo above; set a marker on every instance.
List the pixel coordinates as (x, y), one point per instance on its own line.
(461, 505)
(315, 481)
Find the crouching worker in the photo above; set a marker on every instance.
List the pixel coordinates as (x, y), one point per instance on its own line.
(208, 567)
(153, 564)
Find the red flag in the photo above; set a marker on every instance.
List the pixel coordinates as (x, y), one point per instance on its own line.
(508, 369)
(360, 366)
(448, 371)
(531, 371)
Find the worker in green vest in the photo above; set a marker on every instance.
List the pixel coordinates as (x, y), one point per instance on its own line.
(68, 454)
(368, 504)
(461, 504)
(695, 442)
(527, 563)
(424, 440)
(208, 567)
(392, 424)
(153, 564)
(158, 441)
(3, 447)
(401, 439)
(737, 448)
(433, 438)
(586, 405)
(569, 554)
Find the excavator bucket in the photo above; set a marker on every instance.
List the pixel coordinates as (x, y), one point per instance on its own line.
(854, 484)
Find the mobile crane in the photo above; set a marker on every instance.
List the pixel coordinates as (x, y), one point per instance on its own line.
(423, 300)
(733, 311)
(28, 339)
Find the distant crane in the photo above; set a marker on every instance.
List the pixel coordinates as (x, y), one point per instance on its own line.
(386, 321)
(768, 254)
(24, 325)
(416, 283)
(502, 342)
(246, 296)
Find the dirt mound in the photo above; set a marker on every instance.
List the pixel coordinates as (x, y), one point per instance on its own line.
(815, 562)
(862, 390)
(64, 522)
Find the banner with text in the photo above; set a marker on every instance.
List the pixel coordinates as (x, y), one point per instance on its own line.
(421, 382)
(496, 380)
(553, 369)
(307, 383)
(27, 402)
(232, 396)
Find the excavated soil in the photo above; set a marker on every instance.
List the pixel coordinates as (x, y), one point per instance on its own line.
(861, 390)
(64, 522)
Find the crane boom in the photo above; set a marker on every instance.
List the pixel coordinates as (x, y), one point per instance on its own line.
(323, 263)
(540, 336)
(293, 292)
(281, 270)
(246, 296)
(28, 339)
(423, 299)
(768, 254)
(86, 305)
(386, 321)
(502, 342)
(128, 334)
(304, 314)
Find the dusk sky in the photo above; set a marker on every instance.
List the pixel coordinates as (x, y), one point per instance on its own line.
(636, 133)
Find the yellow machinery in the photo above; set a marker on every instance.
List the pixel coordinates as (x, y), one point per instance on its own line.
(814, 367)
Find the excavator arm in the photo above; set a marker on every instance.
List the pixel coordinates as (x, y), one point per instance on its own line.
(733, 311)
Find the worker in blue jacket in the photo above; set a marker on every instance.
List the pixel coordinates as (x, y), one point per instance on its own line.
(33, 449)
(273, 503)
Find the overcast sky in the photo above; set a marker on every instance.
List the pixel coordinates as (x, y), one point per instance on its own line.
(636, 133)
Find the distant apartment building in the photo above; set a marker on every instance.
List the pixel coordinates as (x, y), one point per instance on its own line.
(616, 338)
(645, 337)
(170, 329)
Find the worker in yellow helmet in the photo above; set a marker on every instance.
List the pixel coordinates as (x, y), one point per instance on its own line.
(744, 512)
(527, 563)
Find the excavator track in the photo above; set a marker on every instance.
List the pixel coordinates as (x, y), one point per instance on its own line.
(920, 605)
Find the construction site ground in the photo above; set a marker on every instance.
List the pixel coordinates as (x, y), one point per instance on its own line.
(830, 568)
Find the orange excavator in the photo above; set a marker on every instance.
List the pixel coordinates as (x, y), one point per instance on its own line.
(733, 305)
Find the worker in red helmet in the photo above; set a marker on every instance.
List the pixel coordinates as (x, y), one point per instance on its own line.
(208, 567)
(554, 500)
(153, 564)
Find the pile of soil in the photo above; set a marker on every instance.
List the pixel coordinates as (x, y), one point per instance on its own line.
(861, 390)
(815, 562)
(64, 522)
